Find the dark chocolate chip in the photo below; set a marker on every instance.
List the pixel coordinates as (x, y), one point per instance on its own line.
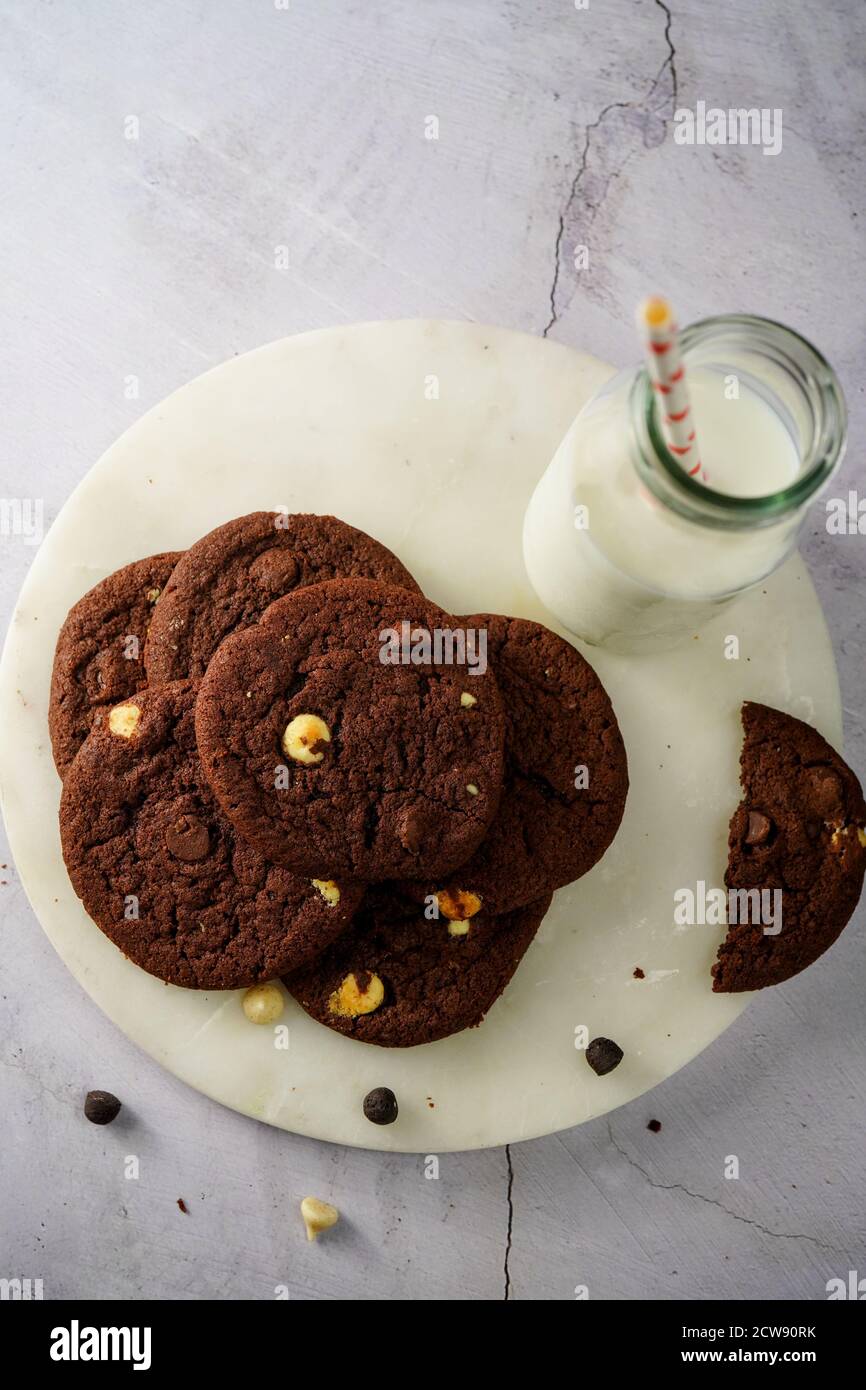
(380, 1106)
(411, 830)
(655, 1126)
(759, 828)
(188, 839)
(603, 1055)
(101, 1107)
(825, 791)
(276, 570)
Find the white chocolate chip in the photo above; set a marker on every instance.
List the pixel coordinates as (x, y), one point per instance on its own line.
(458, 928)
(471, 788)
(328, 889)
(350, 1001)
(318, 1216)
(123, 720)
(467, 700)
(458, 904)
(152, 595)
(263, 1003)
(302, 736)
(840, 830)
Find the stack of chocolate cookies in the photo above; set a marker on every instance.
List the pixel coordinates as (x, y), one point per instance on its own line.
(281, 759)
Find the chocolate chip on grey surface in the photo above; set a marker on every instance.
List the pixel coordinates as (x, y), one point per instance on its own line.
(101, 1107)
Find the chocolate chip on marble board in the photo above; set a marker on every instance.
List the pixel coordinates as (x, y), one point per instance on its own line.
(603, 1055)
(380, 1106)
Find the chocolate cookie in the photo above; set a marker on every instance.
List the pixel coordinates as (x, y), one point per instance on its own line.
(396, 979)
(350, 733)
(160, 869)
(228, 578)
(566, 775)
(800, 829)
(99, 657)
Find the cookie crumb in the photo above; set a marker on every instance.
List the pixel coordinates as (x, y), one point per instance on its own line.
(183, 1206)
(655, 1126)
(638, 973)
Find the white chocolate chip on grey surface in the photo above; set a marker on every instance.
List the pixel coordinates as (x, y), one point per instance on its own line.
(318, 1216)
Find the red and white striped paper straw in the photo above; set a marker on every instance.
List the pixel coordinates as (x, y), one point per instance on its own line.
(668, 376)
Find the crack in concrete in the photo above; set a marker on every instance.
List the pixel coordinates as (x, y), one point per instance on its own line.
(713, 1202)
(20, 1065)
(670, 61)
(510, 1199)
(669, 65)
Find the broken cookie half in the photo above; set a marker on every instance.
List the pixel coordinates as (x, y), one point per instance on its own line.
(796, 853)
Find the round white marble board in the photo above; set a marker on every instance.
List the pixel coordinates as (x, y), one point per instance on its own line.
(430, 435)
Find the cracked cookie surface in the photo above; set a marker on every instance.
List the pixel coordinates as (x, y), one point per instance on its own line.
(333, 761)
(430, 983)
(798, 829)
(229, 577)
(99, 658)
(558, 719)
(162, 872)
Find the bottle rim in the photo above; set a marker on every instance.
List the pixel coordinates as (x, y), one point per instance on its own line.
(818, 383)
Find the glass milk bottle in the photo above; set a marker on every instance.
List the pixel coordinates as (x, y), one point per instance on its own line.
(633, 554)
